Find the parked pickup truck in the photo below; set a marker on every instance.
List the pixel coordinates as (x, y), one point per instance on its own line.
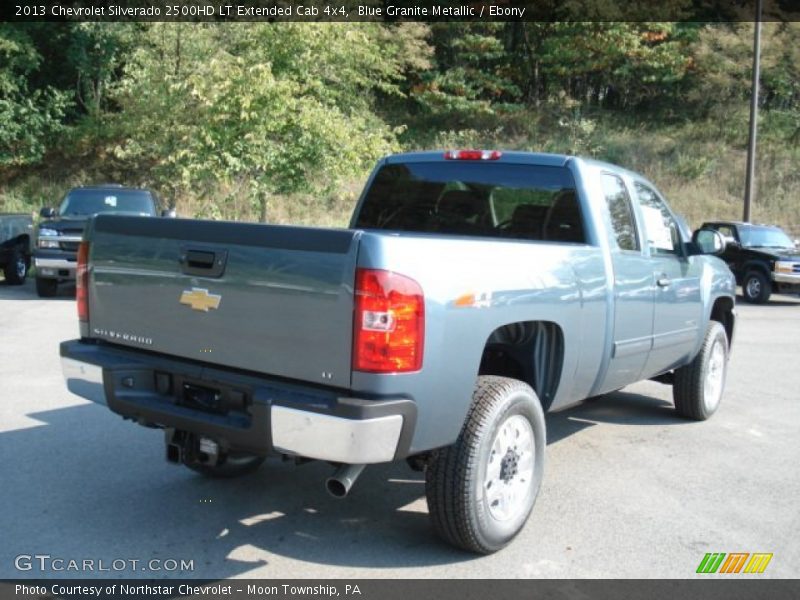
(61, 231)
(762, 257)
(473, 292)
(16, 232)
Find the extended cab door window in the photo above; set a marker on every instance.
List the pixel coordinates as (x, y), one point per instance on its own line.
(621, 212)
(663, 234)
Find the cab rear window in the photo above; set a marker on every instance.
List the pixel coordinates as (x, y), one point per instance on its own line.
(475, 199)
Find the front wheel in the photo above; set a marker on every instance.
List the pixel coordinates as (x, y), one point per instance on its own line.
(756, 288)
(481, 489)
(698, 386)
(16, 269)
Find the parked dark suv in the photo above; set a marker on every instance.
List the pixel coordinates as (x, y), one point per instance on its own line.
(762, 257)
(59, 235)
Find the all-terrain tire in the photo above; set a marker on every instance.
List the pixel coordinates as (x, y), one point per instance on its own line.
(698, 386)
(481, 489)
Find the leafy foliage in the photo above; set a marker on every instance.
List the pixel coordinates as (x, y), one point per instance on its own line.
(234, 119)
(281, 110)
(27, 118)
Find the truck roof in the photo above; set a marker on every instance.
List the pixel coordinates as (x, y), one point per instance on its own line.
(544, 159)
(108, 186)
(739, 223)
(533, 158)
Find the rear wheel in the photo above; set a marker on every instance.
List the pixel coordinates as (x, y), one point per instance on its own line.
(756, 288)
(16, 269)
(698, 386)
(46, 288)
(482, 489)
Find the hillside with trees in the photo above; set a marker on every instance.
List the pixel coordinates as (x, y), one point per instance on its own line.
(281, 122)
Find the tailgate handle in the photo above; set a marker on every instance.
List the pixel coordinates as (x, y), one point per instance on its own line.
(204, 262)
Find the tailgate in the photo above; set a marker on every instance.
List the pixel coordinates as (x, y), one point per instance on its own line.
(265, 298)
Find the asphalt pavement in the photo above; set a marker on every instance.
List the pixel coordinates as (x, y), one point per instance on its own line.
(630, 489)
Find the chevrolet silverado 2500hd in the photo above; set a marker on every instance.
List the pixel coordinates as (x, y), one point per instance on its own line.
(473, 292)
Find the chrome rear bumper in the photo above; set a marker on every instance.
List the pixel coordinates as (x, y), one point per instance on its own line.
(351, 441)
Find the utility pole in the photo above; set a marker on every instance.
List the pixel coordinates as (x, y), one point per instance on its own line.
(750, 181)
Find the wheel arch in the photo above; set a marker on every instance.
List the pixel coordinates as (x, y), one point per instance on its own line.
(723, 311)
(755, 265)
(531, 351)
(23, 240)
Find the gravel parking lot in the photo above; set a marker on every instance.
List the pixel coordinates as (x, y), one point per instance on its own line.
(630, 490)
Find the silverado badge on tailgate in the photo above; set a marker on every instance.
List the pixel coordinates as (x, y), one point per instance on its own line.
(200, 299)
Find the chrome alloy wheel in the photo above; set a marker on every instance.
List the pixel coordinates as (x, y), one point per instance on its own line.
(509, 470)
(715, 377)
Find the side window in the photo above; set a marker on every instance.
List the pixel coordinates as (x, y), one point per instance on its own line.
(663, 235)
(621, 211)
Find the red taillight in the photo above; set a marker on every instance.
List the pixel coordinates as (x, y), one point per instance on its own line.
(472, 154)
(82, 281)
(389, 323)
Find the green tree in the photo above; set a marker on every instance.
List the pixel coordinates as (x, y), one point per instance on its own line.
(28, 118)
(616, 65)
(96, 52)
(276, 108)
(722, 72)
(485, 67)
(474, 73)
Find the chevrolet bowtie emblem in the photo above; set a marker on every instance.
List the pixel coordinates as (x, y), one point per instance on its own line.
(200, 299)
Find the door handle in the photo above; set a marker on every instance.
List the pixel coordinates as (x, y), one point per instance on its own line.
(203, 262)
(663, 281)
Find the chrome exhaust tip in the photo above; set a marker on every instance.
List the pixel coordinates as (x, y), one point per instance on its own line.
(339, 484)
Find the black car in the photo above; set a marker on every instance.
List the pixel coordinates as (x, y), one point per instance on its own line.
(61, 231)
(762, 257)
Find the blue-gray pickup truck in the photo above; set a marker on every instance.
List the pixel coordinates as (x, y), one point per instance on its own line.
(473, 292)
